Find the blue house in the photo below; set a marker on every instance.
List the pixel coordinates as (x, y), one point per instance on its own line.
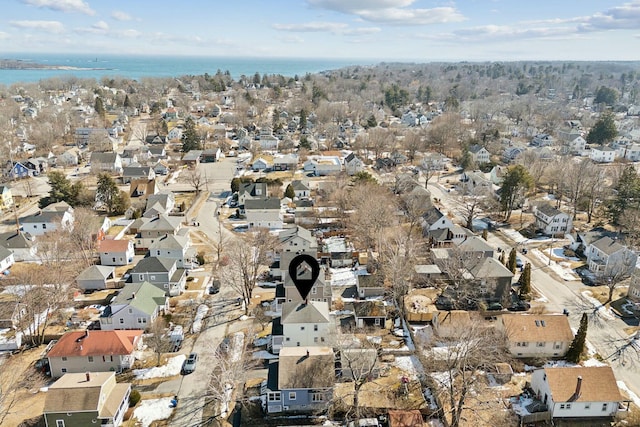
(18, 170)
(301, 381)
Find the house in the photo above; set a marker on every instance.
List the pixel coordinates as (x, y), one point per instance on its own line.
(11, 311)
(135, 172)
(301, 380)
(162, 273)
(161, 168)
(353, 165)
(305, 323)
(300, 189)
(542, 140)
(129, 157)
(192, 158)
(22, 245)
(155, 229)
(174, 133)
(287, 292)
(602, 154)
(211, 155)
(370, 313)
(264, 213)
(6, 198)
(253, 190)
(434, 219)
(47, 220)
(261, 164)
(294, 241)
(268, 142)
(155, 139)
(17, 170)
(338, 251)
(285, 162)
(607, 258)
(164, 202)
(136, 306)
(115, 252)
(434, 162)
(370, 285)
(6, 259)
(85, 400)
(95, 277)
(70, 157)
(552, 221)
(476, 182)
(497, 174)
(323, 165)
(537, 335)
(93, 351)
(106, 162)
(577, 392)
(490, 279)
(630, 152)
(577, 145)
(474, 247)
(142, 188)
(479, 154)
(175, 247)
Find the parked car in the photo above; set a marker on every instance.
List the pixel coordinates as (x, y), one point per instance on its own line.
(215, 287)
(519, 262)
(189, 365)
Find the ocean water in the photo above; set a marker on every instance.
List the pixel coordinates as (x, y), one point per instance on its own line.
(136, 67)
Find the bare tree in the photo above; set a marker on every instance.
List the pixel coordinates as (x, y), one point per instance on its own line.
(374, 212)
(536, 166)
(595, 189)
(15, 381)
(196, 178)
(626, 350)
(158, 340)
(414, 205)
(82, 237)
(247, 258)
(463, 357)
(413, 143)
(397, 260)
(472, 201)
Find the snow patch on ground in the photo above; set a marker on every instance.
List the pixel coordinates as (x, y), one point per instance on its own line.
(593, 362)
(622, 386)
(152, 410)
(559, 253)
(602, 310)
(562, 269)
(197, 321)
(172, 368)
(514, 235)
(410, 365)
(263, 355)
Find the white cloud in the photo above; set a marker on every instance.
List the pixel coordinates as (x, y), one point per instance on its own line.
(62, 5)
(3, 35)
(293, 39)
(100, 25)
(328, 27)
(129, 34)
(391, 12)
(119, 15)
(47, 26)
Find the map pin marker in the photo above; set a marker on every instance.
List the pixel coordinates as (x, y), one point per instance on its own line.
(304, 271)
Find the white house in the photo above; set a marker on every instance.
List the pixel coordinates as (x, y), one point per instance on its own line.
(479, 154)
(434, 219)
(175, 247)
(265, 213)
(577, 145)
(602, 154)
(305, 324)
(552, 221)
(6, 259)
(353, 164)
(323, 165)
(631, 152)
(136, 306)
(536, 335)
(174, 133)
(606, 257)
(116, 252)
(46, 221)
(542, 140)
(577, 392)
(300, 189)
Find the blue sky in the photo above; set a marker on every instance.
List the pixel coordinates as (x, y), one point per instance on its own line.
(383, 30)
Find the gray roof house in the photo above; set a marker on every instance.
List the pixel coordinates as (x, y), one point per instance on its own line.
(46, 221)
(23, 245)
(300, 189)
(136, 306)
(106, 162)
(96, 277)
(161, 272)
(301, 380)
(132, 172)
(491, 280)
(552, 221)
(301, 324)
(607, 258)
(176, 247)
(254, 190)
(151, 231)
(265, 213)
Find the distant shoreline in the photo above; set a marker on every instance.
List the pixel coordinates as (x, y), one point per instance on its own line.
(17, 64)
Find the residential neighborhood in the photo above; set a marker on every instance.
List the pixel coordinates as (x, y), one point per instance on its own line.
(464, 267)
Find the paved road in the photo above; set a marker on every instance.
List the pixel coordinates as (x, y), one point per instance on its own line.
(222, 310)
(562, 294)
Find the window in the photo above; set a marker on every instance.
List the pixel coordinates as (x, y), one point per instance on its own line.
(121, 321)
(274, 396)
(113, 259)
(604, 407)
(562, 406)
(59, 423)
(63, 370)
(377, 321)
(314, 290)
(317, 397)
(315, 339)
(90, 358)
(587, 406)
(153, 277)
(302, 328)
(540, 344)
(44, 226)
(64, 358)
(292, 395)
(567, 406)
(287, 339)
(315, 328)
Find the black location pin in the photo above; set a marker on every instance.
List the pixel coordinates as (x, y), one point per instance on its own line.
(304, 271)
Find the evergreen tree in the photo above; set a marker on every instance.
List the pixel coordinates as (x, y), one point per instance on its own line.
(60, 187)
(127, 102)
(98, 106)
(190, 138)
(525, 282)
(577, 345)
(501, 258)
(289, 192)
(514, 185)
(627, 194)
(304, 142)
(511, 264)
(108, 194)
(371, 122)
(603, 131)
(485, 234)
(303, 119)
(606, 95)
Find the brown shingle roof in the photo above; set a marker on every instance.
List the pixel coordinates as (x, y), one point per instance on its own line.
(95, 343)
(598, 384)
(110, 245)
(537, 327)
(306, 367)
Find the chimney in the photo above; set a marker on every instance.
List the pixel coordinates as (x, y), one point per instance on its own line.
(133, 295)
(307, 353)
(88, 375)
(576, 394)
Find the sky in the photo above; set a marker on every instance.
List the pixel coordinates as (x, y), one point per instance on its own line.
(381, 30)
